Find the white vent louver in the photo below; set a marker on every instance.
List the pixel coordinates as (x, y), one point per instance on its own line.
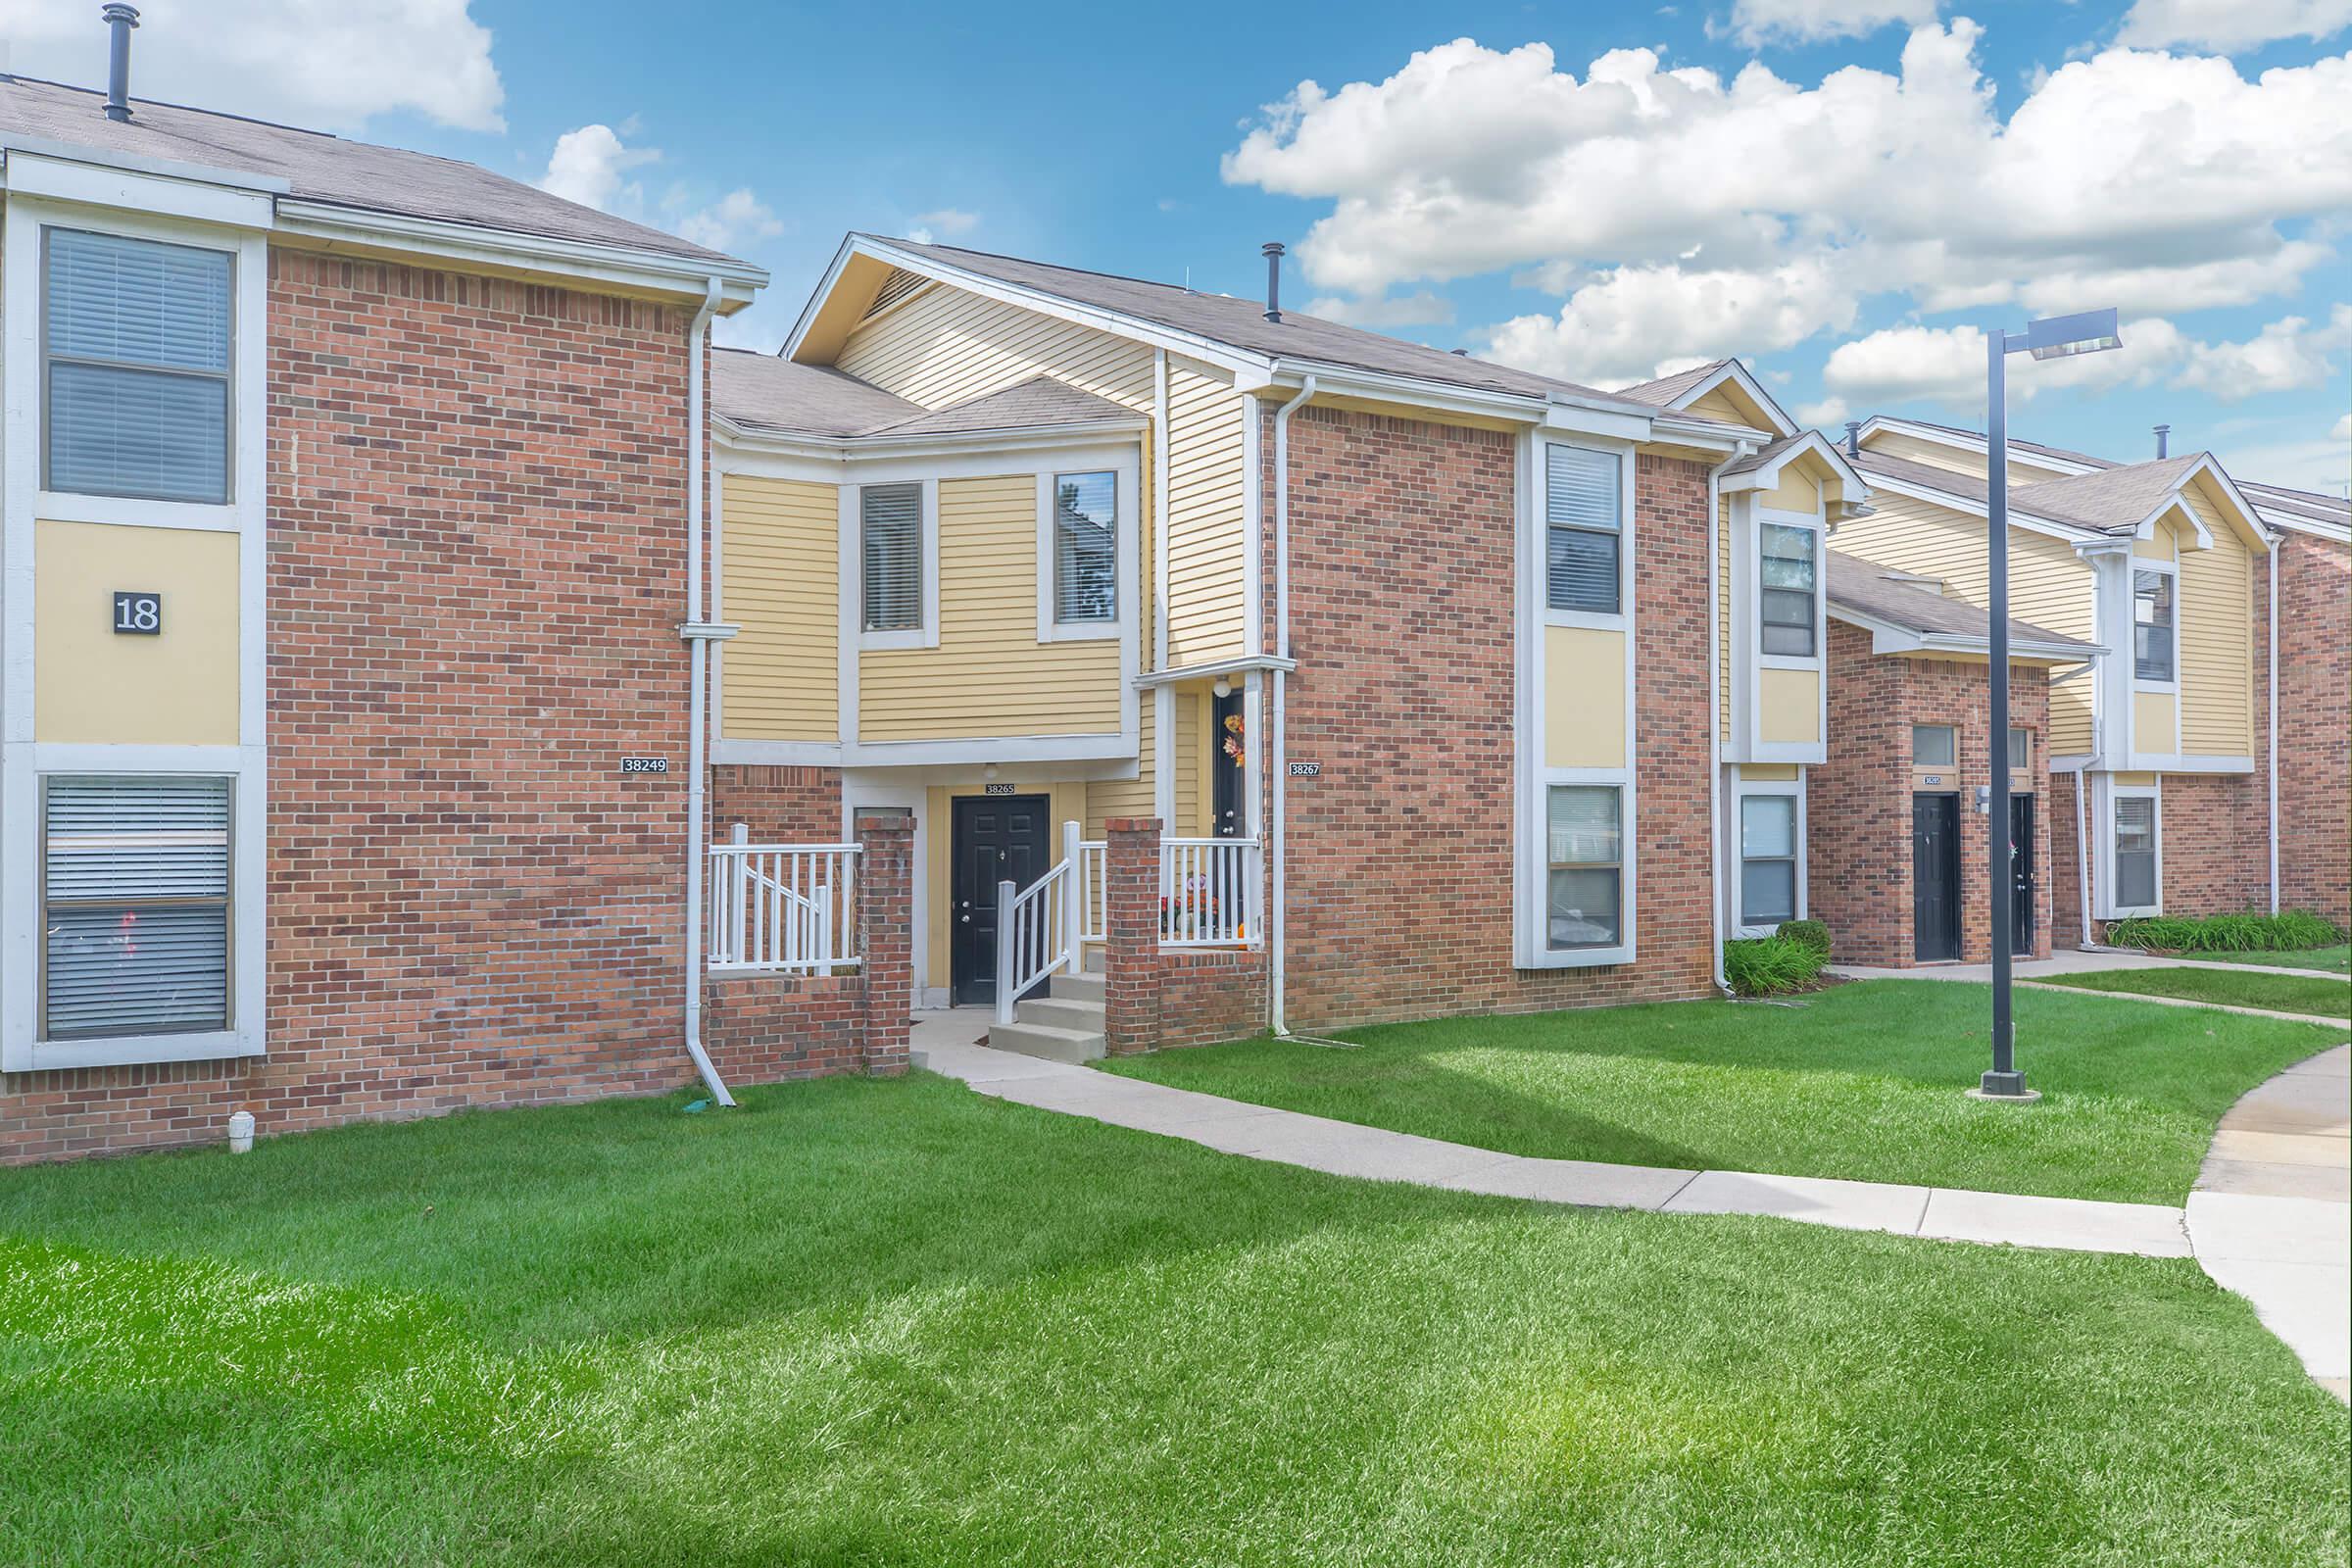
(900, 285)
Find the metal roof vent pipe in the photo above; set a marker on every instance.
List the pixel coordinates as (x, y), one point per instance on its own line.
(2164, 440)
(1853, 438)
(121, 20)
(1273, 254)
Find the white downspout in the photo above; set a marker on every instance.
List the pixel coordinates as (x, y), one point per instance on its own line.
(1716, 892)
(2276, 544)
(2083, 860)
(1275, 844)
(699, 634)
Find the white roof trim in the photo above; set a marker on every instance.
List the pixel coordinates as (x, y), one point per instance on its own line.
(1887, 637)
(1733, 370)
(1768, 475)
(1239, 666)
(2073, 533)
(883, 444)
(652, 270)
(1962, 441)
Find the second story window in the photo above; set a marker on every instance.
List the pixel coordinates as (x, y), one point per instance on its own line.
(1790, 581)
(891, 544)
(1085, 547)
(136, 342)
(1583, 527)
(2152, 625)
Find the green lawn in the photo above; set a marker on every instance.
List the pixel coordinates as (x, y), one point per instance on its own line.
(2336, 959)
(1862, 1079)
(881, 1323)
(2279, 993)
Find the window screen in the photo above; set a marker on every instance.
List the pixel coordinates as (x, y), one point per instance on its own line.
(2135, 852)
(1789, 584)
(1085, 547)
(891, 519)
(1583, 503)
(135, 902)
(2152, 625)
(1584, 895)
(137, 368)
(1767, 859)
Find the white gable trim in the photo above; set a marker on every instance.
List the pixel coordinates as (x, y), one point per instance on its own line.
(1734, 371)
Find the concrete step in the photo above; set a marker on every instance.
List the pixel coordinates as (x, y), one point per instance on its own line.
(1060, 1011)
(1078, 988)
(1044, 1040)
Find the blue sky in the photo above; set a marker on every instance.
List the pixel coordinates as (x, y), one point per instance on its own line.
(1592, 191)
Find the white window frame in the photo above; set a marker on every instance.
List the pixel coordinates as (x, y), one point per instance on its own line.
(1126, 574)
(136, 207)
(853, 519)
(1608, 620)
(1768, 517)
(1793, 790)
(2140, 683)
(2110, 907)
(1531, 882)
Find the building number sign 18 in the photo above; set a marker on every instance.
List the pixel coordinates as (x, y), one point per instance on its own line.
(138, 615)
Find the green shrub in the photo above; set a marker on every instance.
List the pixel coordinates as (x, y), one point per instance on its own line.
(1764, 966)
(1813, 934)
(2224, 933)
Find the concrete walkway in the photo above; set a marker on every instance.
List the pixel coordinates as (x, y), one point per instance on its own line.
(2029, 972)
(946, 1046)
(2272, 1215)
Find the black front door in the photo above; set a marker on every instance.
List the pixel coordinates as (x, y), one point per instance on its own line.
(1226, 797)
(2021, 873)
(996, 838)
(1936, 877)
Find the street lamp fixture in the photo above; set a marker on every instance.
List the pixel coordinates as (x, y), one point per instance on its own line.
(2055, 337)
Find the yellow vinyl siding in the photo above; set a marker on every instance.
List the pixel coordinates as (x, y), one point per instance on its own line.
(1208, 540)
(1914, 448)
(2216, 637)
(2069, 717)
(176, 688)
(1770, 772)
(1192, 740)
(779, 677)
(1789, 708)
(990, 675)
(947, 345)
(1127, 797)
(1796, 492)
(2153, 729)
(1584, 696)
(1728, 405)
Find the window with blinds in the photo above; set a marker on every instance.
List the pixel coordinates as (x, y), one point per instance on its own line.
(1085, 547)
(890, 530)
(2135, 852)
(1790, 584)
(1584, 895)
(136, 339)
(134, 906)
(2152, 625)
(1767, 859)
(1584, 526)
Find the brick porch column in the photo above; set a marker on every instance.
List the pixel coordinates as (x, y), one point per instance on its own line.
(886, 940)
(1130, 934)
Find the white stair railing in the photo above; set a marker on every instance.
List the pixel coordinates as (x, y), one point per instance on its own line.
(1094, 866)
(1040, 928)
(782, 907)
(1210, 893)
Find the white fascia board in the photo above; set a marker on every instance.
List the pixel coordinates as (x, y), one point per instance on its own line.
(2145, 529)
(1046, 303)
(2187, 763)
(789, 457)
(1240, 665)
(1707, 434)
(1733, 370)
(17, 141)
(1768, 477)
(87, 182)
(1887, 637)
(624, 267)
(1959, 441)
(2073, 534)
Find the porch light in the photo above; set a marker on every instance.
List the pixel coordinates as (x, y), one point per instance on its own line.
(2054, 338)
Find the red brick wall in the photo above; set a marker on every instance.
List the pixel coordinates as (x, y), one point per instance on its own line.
(1858, 805)
(1153, 997)
(1402, 566)
(476, 572)
(2314, 733)
(779, 805)
(2216, 842)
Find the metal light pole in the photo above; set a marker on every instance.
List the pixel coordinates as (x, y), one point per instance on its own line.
(2054, 338)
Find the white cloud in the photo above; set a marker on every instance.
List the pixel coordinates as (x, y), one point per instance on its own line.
(760, 331)
(2231, 25)
(1423, 308)
(590, 165)
(1755, 23)
(1612, 330)
(1946, 365)
(2289, 354)
(734, 220)
(329, 66)
(2341, 431)
(2291, 457)
(949, 220)
(2127, 177)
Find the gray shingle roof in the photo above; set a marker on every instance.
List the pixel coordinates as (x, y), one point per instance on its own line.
(2111, 498)
(762, 392)
(1666, 388)
(1767, 452)
(1038, 401)
(321, 168)
(1241, 323)
(1867, 588)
